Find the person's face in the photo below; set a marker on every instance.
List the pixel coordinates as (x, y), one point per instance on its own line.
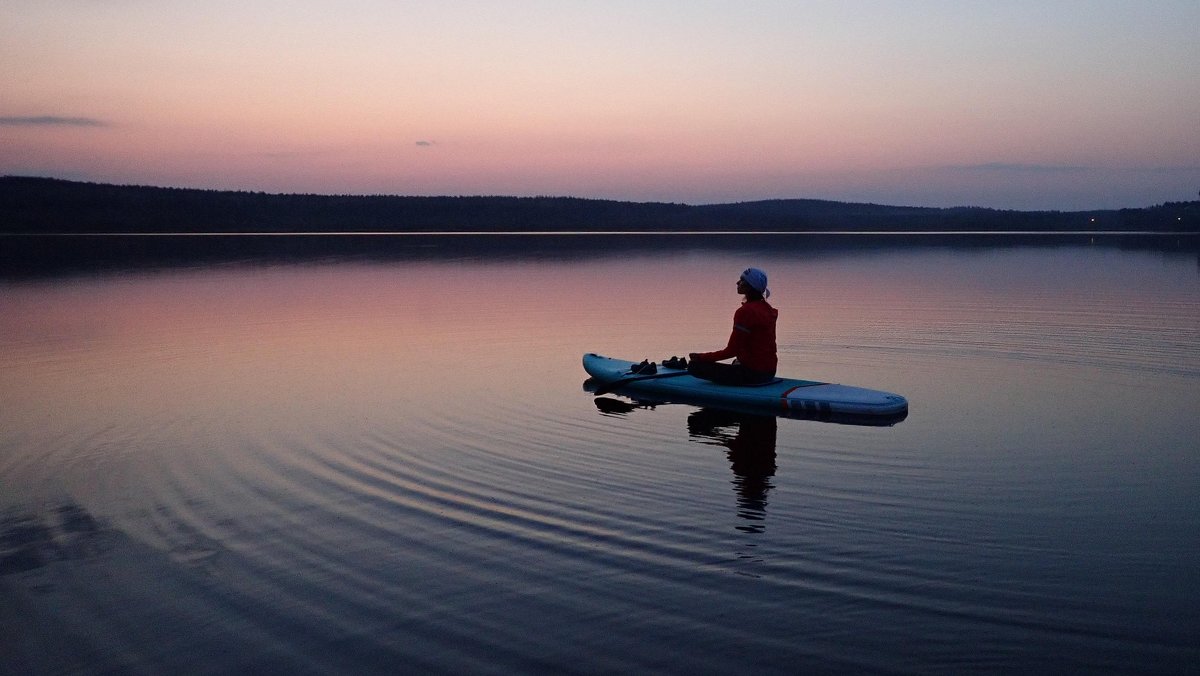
(742, 287)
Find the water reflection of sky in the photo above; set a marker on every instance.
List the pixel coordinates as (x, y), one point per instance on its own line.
(415, 432)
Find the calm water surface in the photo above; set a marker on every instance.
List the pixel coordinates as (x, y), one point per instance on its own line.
(393, 466)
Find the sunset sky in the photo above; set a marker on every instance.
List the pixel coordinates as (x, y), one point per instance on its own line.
(1040, 104)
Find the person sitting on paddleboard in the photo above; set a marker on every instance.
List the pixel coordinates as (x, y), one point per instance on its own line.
(752, 342)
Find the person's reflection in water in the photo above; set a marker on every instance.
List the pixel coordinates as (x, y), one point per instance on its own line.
(751, 443)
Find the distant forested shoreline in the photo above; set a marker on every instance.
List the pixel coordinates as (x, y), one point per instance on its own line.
(31, 205)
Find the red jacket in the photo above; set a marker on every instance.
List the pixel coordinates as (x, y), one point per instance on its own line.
(753, 338)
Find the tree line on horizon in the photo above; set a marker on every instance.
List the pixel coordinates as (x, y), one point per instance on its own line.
(46, 205)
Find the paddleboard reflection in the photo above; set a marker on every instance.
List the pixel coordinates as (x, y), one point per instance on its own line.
(748, 436)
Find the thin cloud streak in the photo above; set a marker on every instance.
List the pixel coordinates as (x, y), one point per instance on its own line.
(1017, 168)
(298, 154)
(1025, 168)
(51, 121)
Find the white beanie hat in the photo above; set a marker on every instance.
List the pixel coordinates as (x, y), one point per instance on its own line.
(757, 279)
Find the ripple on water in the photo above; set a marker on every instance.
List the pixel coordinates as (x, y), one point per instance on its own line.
(322, 478)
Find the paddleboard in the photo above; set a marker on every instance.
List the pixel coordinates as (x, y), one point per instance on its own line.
(782, 396)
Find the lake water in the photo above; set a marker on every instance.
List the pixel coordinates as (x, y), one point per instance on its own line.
(390, 464)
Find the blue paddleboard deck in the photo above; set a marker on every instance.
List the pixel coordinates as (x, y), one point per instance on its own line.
(781, 396)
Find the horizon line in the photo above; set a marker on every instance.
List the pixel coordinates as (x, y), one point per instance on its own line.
(585, 233)
(573, 197)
